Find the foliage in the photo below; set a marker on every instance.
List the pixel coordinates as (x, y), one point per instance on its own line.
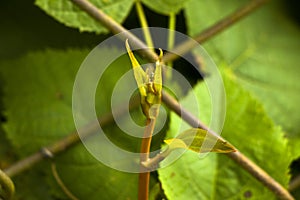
(258, 58)
(215, 175)
(48, 104)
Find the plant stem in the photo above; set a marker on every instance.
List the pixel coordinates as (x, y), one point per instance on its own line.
(213, 30)
(144, 177)
(172, 28)
(144, 24)
(171, 41)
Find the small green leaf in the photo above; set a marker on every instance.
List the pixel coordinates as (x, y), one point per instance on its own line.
(149, 84)
(158, 73)
(69, 14)
(139, 74)
(198, 140)
(165, 7)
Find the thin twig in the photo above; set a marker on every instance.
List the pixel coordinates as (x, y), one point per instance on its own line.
(144, 24)
(144, 177)
(171, 41)
(215, 29)
(295, 183)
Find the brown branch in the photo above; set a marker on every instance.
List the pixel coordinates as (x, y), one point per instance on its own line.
(144, 177)
(215, 29)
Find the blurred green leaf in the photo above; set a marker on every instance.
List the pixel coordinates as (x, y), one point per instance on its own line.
(198, 140)
(69, 14)
(38, 101)
(215, 176)
(165, 7)
(263, 52)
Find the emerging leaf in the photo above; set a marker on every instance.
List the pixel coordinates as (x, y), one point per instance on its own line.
(149, 84)
(139, 74)
(201, 141)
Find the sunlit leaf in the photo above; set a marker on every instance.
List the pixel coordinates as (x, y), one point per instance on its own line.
(139, 74)
(200, 141)
(248, 128)
(263, 52)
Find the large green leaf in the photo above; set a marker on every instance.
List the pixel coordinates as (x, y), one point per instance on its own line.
(263, 52)
(68, 13)
(216, 176)
(38, 106)
(165, 6)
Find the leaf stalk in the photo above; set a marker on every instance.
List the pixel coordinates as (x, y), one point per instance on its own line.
(144, 24)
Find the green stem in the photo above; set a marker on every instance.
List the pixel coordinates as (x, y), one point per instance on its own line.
(7, 187)
(172, 27)
(144, 24)
(171, 41)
